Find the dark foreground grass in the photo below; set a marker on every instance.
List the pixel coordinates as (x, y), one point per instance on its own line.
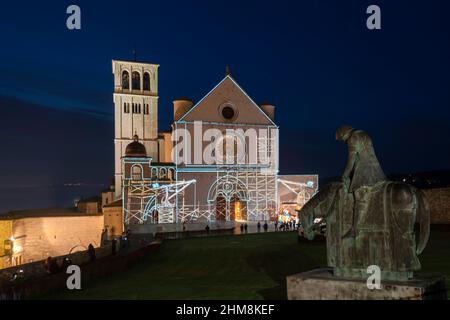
(436, 257)
(230, 267)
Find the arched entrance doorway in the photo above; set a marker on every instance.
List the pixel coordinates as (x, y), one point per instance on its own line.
(229, 196)
(233, 209)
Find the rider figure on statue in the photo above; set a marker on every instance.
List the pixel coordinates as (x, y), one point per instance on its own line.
(361, 172)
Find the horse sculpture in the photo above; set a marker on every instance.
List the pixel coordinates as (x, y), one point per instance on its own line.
(375, 229)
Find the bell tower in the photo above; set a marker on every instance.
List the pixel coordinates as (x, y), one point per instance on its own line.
(135, 110)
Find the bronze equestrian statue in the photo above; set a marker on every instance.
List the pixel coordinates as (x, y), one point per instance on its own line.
(369, 220)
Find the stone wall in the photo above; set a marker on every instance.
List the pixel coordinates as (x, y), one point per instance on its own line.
(439, 200)
(5, 234)
(41, 285)
(37, 238)
(38, 268)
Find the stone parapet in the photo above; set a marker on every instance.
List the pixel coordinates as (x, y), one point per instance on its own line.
(320, 284)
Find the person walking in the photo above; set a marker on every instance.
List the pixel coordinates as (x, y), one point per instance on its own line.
(104, 236)
(128, 237)
(65, 263)
(113, 246)
(91, 252)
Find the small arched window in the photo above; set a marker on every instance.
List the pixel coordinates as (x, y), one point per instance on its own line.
(171, 174)
(125, 80)
(154, 173)
(146, 81)
(124, 107)
(136, 172)
(163, 173)
(136, 80)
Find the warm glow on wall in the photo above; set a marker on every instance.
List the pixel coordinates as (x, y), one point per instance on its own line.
(17, 248)
(237, 211)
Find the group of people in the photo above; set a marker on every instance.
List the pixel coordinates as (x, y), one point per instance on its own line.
(52, 266)
(244, 228)
(279, 226)
(286, 225)
(265, 226)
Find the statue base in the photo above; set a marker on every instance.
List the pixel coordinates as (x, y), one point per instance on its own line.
(362, 273)
(320, 284)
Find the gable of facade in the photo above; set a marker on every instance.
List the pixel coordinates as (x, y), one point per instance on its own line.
(227, 103)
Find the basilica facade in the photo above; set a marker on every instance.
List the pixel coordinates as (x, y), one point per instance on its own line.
(218, 162)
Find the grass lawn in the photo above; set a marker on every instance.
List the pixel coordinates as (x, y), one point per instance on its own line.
(251, 266)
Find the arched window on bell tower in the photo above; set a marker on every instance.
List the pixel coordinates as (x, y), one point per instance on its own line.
(125, 80)
(136, 172)
(146, 81)
(136, 81)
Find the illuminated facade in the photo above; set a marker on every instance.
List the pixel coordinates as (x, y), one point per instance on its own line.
(150, 190)
(135, 110)
(293, 192)
(240, 187)
(170, 177)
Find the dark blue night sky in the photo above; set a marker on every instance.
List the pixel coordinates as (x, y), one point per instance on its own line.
(315, 60)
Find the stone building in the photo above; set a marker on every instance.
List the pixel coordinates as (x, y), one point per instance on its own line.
(146, 186)
(237, 185)
(90, 205)
(135, 110)
(241, 137)
(113, 219)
